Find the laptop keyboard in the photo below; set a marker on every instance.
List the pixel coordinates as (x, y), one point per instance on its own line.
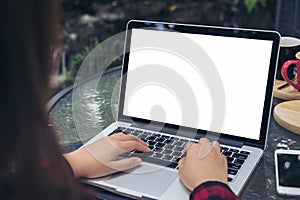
(168, 150)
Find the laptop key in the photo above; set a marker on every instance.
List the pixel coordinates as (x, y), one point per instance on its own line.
(234, 166)
(239, 161)
(224, 148)
(232, 171)
(245, 152)
(152, 143)
(160, 140)
(229, 179)
(117, 130)
(179, 144)
(240, 156)
(144, 140)
(183, 140)
(227, 153)
(168, 141)
(234, 150)
(173, 165)
(143, 136)
(229, 159)
(177, 153)
(169, 146)
(167, 152)
(178, 148)
(159, 144)
(167, 157)
(151, 138)
(151, 147)
(134, 133)
(158, 150)
(175, 159)
(126, 132)
(157, 155)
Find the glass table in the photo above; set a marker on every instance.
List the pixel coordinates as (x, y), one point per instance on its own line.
(99, 109)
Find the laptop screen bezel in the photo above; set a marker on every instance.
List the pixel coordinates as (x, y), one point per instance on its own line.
(207, 30)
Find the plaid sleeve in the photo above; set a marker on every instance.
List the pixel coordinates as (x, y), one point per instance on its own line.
(213, 190)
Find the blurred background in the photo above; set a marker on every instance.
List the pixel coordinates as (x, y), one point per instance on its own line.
(88, 22)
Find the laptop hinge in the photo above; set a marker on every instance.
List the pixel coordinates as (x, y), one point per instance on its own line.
(153, 128)
(225, 141)
(231, 143)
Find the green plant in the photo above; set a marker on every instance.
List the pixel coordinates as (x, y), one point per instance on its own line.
(74, 65)
(79, 58)
(68, 78)
(250, 4)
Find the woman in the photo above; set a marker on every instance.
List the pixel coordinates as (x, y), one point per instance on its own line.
(31, 163)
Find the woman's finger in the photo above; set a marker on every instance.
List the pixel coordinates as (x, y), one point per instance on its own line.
(187, 146)
(123, 136)
(129, 145)
(216, 145)
(181, 163)
(203, 141)
(205, 148)
(125, 164)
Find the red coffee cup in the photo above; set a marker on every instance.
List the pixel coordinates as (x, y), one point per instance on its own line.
(289, 64)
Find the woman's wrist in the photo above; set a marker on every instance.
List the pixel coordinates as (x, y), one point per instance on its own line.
(74, 163)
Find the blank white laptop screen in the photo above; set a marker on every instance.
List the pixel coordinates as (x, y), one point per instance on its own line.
(242, 65)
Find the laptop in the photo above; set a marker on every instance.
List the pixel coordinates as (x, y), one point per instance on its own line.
(182, 82)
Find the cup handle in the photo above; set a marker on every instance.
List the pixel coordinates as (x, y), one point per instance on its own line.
(284, 69)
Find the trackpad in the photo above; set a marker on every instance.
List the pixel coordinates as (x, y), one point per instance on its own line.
(146, 179)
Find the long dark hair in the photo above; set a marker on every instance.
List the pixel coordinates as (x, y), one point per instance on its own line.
(29, 32)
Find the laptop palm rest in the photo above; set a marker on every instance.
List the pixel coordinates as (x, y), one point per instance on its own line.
(146, 179)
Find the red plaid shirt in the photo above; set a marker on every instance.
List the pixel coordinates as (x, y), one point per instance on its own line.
(213, 190)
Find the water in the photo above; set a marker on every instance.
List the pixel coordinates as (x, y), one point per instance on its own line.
(97, 111)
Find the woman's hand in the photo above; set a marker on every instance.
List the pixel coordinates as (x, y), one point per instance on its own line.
(203, 162)
(100, 158)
